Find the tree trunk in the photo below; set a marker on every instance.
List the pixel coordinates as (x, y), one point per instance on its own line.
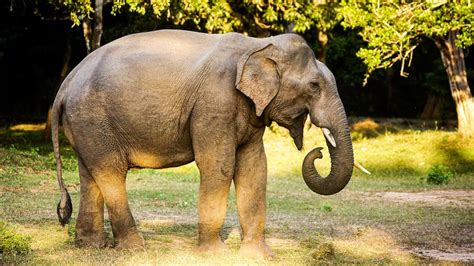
(322, 45)
(62, 76)
(87, 31)
(432, 108)
(98, 21)
(92, 30)
(453, 61)
(390, 91)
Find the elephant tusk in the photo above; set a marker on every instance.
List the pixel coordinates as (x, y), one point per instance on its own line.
(329, 136)
(360, 167)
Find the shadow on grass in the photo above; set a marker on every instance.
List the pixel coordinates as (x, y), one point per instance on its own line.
(28, 140)
(362, 245)
(460, 159)
(171, 244)
(158, 227)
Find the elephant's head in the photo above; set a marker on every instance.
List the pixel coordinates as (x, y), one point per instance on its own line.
(286, 83)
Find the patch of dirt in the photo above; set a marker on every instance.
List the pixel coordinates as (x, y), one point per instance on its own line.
(12, 189)
(438, 198)
(460, 255)
(461, 198)
(44, 186)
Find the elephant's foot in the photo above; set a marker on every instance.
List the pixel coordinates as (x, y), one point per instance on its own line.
(131, 241)
(96, 241)
(256, 250)
(214, 247)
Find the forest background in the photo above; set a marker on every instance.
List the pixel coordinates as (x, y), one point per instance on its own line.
(41, 41)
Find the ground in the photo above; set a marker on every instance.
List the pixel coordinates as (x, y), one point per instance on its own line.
(391, 216)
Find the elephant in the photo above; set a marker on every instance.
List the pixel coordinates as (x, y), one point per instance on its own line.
(169, 97)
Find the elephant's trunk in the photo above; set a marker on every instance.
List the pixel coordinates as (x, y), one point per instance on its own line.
(342, 158)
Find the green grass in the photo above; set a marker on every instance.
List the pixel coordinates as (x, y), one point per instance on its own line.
(358, 225)
(13, 246)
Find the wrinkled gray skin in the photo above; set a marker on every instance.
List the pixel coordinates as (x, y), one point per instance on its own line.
(167, 98)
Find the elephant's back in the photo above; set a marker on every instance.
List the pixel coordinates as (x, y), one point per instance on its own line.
(141, 85)
(150, 60)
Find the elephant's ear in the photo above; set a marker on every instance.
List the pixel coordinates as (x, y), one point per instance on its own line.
(258, 76)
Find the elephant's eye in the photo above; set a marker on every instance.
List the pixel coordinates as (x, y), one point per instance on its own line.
(313, 85)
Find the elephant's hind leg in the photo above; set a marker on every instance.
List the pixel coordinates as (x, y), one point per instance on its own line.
(90, 220)
(110, 174)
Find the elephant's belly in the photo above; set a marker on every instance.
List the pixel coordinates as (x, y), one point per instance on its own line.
(142, 159)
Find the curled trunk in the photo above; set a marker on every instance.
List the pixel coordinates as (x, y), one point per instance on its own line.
(342, 161)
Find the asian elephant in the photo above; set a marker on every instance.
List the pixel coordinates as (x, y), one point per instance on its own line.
(166, 98)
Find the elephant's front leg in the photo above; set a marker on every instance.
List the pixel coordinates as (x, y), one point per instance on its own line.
(250, 184)
(215, 158)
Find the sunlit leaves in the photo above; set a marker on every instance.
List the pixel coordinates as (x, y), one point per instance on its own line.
(77, 9)
(270, 14)
(458, 17)
(248, 16)
(220, 18)
(134, 6)
(392, 29)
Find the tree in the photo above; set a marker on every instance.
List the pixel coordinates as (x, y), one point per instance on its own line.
(251, 17)
(302, 16)
(393, 29)
(90, 15)
(323, 16)
(92, 26)
(293, 16)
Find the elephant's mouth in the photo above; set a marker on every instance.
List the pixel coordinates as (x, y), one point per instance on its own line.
(297, 128)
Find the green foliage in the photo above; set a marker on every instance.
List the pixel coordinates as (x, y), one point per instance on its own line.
(393, 30)
(12, 243)
(322, 15)
(252, 17)
(440, 17)
(78, 9)
(140, 7)
(438, 174)
(326, 207)
(220, 18)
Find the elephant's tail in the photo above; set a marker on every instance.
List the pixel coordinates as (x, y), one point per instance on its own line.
(64, 208)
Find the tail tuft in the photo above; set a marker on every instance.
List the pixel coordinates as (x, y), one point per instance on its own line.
(64, 209)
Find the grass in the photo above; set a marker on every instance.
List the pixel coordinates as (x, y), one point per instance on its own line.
(12, 244)
(358, 225)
